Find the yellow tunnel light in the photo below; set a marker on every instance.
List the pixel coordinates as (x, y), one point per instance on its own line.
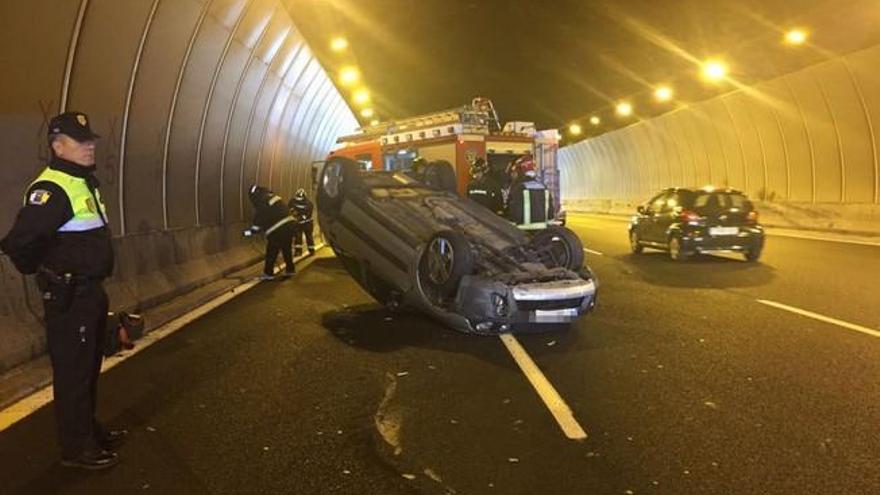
(663, 93)
(367, 113)
(338, 44)
(796, 36)
(349, 75)
(361, 96)
(714, 70)
(595, 120)
(624, 109)
(575, 129)
(374, 122)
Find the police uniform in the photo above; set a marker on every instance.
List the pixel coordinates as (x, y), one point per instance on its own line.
(62, 234)
(301, 208)
(272, 218)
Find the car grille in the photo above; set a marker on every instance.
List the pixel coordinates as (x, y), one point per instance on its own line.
(549, 305)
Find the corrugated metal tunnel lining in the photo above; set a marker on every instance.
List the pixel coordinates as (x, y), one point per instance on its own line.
(194, 100)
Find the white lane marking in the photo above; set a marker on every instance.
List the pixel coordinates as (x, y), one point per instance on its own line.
(597, 253)
(820, 238)
(28, 405)
(558, 408)
(826, 319)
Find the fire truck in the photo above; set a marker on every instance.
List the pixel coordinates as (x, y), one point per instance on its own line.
(458, 136)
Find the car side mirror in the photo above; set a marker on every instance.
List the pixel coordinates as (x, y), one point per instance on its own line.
(642, 210)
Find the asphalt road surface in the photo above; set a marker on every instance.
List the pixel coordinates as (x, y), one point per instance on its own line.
(683, 380)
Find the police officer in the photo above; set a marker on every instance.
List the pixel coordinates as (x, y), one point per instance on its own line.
(274, 221)
(528, 200)
(301, 208)
(62, 234)
(483, 188)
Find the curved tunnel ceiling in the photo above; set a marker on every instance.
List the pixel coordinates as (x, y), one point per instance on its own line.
(195, 101)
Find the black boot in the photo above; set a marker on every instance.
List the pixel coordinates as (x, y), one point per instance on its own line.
(92, 459)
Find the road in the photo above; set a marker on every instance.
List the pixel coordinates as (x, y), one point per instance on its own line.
(683, 381)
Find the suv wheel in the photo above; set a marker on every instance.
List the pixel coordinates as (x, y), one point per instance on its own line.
(634, 242)
(752, 255)
(675, 251)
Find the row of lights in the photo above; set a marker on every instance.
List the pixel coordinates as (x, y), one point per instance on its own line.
(350, 77)
(713, 71)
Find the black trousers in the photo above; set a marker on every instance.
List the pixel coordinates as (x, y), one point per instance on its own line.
(75, 330)
(307, 228)
(279, 240)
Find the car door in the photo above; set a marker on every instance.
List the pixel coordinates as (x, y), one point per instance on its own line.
(650, 231)
(666, 214)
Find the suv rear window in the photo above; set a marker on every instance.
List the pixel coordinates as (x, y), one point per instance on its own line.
(714, 201)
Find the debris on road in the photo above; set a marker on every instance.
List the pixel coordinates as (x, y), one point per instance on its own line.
(409, 476)
(403, 373)
(710, 404)
(551, 343)
(151, 429)
(513, 460)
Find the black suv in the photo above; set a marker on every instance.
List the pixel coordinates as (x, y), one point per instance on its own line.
(688, 221)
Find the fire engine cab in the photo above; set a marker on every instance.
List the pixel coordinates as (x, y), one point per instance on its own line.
(458, 136)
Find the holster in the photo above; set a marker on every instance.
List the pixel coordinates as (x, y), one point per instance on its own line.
(58, 290)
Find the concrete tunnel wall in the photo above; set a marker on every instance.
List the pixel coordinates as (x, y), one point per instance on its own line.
(804, 145)
(195, 100)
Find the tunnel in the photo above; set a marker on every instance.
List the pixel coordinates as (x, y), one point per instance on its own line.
(716, 375)
(195, 102)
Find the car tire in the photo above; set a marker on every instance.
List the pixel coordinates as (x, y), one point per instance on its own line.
(336, 179)
(447, 257)
(564, 246)
(441, 176)
(634, 242)
(675, 251)
(753, 255)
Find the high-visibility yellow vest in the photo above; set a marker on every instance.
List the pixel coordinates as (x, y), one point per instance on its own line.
(86, 214)
(527, 223)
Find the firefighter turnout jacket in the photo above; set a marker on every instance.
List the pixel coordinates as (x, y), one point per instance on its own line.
(529, 204)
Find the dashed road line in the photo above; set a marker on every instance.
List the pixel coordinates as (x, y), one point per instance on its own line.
(826, 319)
(821, 238)
(558, 408)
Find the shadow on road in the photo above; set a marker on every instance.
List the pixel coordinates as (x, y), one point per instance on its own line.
(701, 271)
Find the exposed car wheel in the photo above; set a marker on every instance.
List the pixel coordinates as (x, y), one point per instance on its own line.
(752, 255)
(634, 243)
(336, 179)
(446, 259)
(675, 251)
(563, 245)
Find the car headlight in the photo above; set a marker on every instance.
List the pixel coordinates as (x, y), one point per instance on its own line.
(499, 305)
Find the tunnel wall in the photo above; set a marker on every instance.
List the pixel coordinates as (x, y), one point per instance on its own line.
(804, 145)
(195, 100)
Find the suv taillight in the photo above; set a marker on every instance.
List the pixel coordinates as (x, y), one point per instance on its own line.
(752, 217)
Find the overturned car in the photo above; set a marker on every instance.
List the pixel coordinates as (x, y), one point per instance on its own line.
(408, 244)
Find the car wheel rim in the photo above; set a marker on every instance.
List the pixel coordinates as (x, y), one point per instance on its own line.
(440, 259)
(559, 251)
(332, 180)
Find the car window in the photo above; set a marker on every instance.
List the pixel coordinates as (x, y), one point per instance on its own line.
(672, 200)
(716, 201)
(657, 202)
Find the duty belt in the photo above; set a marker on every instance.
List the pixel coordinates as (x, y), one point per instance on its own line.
(67, 278)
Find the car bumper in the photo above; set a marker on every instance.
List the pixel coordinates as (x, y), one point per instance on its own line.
(747, 239)
(492, 307)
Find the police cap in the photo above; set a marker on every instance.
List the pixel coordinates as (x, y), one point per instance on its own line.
(73, 124)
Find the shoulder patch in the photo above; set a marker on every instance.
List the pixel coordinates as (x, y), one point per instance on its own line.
(39, 197)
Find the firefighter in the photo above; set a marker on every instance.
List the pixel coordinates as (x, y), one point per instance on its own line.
(301, 209)
(62, 235)
(529, 204)
(483, 188)
(274, 221)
